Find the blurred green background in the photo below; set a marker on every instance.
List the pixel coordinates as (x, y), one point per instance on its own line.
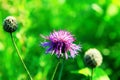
(94, 24)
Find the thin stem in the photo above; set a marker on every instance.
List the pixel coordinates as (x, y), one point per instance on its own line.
(55, 70)
(92, 73)
(60, 75)
(20, 57)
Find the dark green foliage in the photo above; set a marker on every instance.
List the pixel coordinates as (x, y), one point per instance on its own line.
(94, 23)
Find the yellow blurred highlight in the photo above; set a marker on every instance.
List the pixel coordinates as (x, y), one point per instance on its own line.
(106, 52)
(116, 2)
(97, 8)
(22, 77)
(102, 2)
(1, 46)
(38, 76)
(112, 10)
(61, 1)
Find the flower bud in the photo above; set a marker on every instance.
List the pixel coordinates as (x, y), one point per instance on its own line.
(10, 24)
(93, 58)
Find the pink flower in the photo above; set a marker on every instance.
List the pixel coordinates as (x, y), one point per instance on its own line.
(60, 43)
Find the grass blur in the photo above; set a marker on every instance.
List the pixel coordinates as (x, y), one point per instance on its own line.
(94, 23)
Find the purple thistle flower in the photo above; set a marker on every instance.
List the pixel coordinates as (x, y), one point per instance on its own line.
(60, 42)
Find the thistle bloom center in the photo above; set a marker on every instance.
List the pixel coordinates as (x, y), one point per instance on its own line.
(60, 46)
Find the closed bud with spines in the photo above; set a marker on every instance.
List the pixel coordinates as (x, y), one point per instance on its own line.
(93, 58)
(10, 24)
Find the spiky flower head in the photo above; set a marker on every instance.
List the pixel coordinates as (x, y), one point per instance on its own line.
(61, 44)
(10, 24)
(93, 58)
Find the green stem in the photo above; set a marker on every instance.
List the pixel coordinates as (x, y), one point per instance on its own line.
(20, 57)
(60, 75)
(91, 74)
(55, 70)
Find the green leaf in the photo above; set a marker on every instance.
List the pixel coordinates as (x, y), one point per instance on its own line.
(98, 73)
(84, 71)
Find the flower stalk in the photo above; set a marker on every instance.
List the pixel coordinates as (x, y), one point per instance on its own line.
(18, 53)
(92, 73)
(60, 75)
(55, 70)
